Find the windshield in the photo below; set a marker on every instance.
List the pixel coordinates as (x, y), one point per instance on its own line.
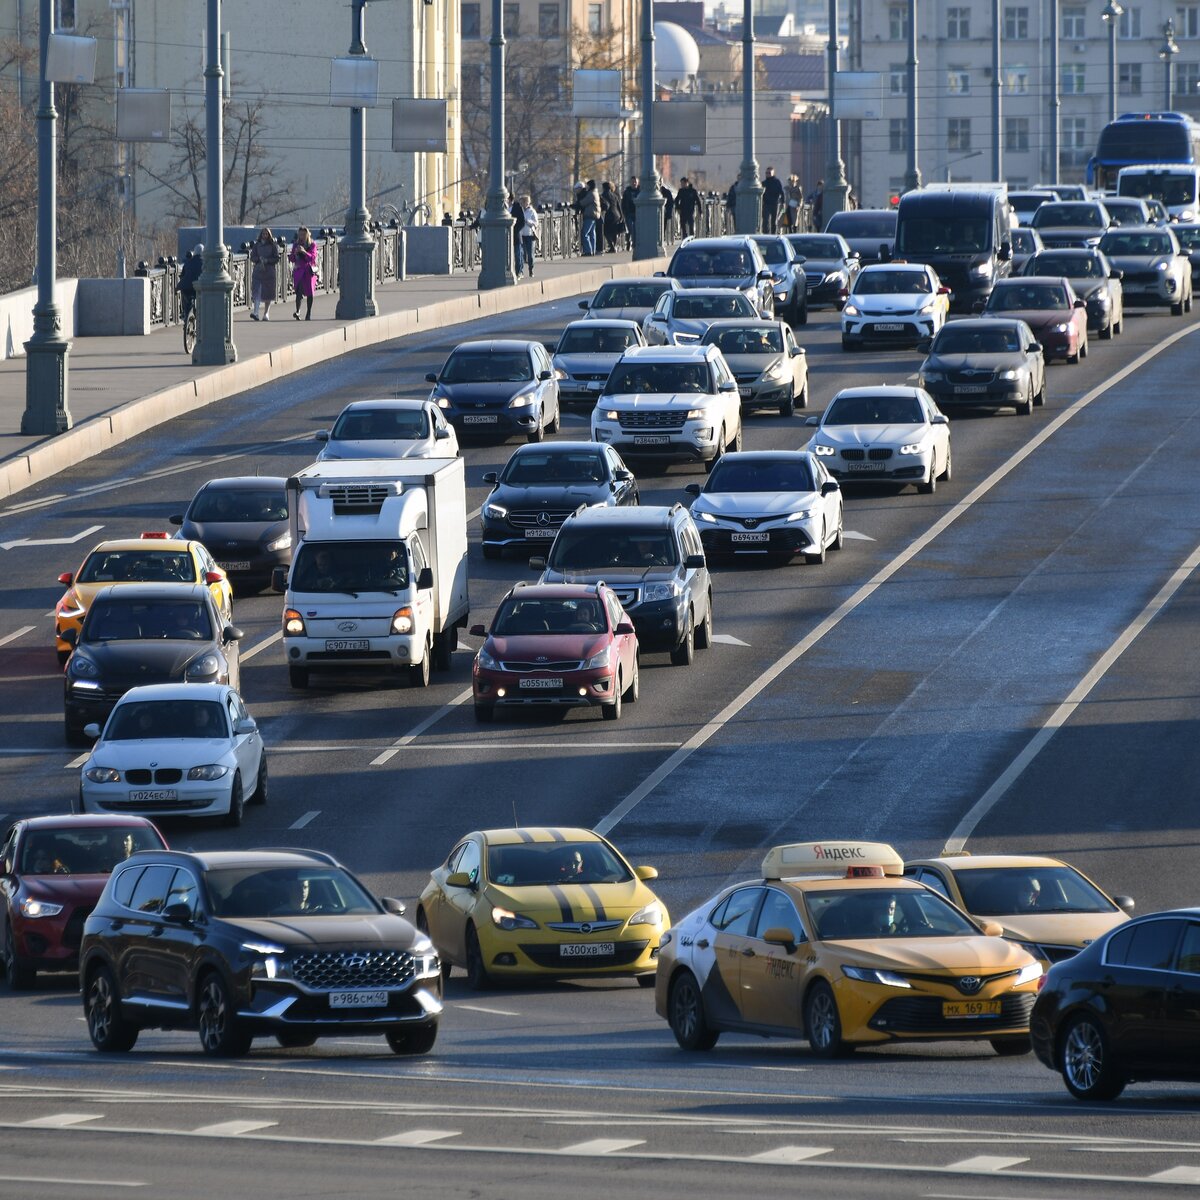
(1126, 212)
(1074, 266)
(713, 308)
(1087, 216)
(892, 283)
(942, 235)
(863, 225)
(628, 295)
(538, 614)
(1138, 245)
(746, 340)
(117, 619)
(877, 912)
(480, 366)
(976, 341)
(628, 378)
(874, 410)
(550, 466)
(351, 567)
(760, 475)
(381, 424)
(540, 864)
(1022, 296)
(254, 506)
(298, 891)
(773, 250)
(1188, 237)
(1173, 190)
(592, 549)
(1022, 240)
(589, 338)
(150, 720)
(82, 851)
(695, 261)
(1003, 891)
(1027, 202)
(816, 247)
(138, 566)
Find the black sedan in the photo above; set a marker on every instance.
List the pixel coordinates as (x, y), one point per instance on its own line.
(252, 943)
(542, 485)
(1093, 277)
(830, 266)
(986, 362)
(870, 232)
(1124, 1009)
(137, 634)
(243, 523)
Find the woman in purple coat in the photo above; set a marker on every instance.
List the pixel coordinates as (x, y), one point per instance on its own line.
(303, 257)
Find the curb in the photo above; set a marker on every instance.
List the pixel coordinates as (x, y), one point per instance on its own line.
(101, 433)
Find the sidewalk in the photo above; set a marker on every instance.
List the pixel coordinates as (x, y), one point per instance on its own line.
(121, 386)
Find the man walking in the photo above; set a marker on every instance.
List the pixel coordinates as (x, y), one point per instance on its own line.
(629, 207)
(589, 212)
(817, 200)
(772, 200)
(687, 200)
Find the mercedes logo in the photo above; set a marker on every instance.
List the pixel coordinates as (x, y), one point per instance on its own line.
(969, 984)
(356, 962)
(347, 626)
(543, 518)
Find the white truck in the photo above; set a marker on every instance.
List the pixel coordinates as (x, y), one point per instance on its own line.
(379, 567)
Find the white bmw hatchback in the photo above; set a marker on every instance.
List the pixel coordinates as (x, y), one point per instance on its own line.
(186, 749)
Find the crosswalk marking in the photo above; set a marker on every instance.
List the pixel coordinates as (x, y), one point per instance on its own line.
(602, 1146)
(986, 1162)
(790, 1154)
(61, 1120)
(232, 1128)
(419, 1137)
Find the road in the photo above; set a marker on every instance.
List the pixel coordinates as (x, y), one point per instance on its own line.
(1007, 662)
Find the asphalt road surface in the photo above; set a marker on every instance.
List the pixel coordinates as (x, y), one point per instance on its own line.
(1008, 663)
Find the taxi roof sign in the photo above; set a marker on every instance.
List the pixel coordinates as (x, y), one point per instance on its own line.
(829, 858)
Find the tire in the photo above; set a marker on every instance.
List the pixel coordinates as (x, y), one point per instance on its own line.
(1107, 332)
(839, 540)
(417, 1040)
(822, 1024)
(788, 407)
(1187, 304)
(737, 441)
(704, 630)
(237, 804)
(802, 399)
(716, 458)
(537, 433)
(478, 979)
(1177, 309)
(418, 673)
(1074, 358)
(444, 645)
(816, 557)
(492, 552)
(612, 712)
(930, 485)
(295, 1041)
(63, 655)
(484, 713)
(262, 784)
(646, 981)
(849, 347)
(553, 427)
(802, 318)
(20, 973)
(221, 1035)
(948, 470)
(1085, 1061)
(1025, 408)
(1084, 349)
(633, 693)
(110, 1032)
(1011, 1047)
(686, 1016)
(1119, 326)
(423, 926)
(298, 677)
(685, 653)
(1039, 400)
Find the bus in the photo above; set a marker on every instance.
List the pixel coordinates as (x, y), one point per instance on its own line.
(1134, 138)
(1176, 185)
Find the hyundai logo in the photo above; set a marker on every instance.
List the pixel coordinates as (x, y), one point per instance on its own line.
(356, 962)
(542, 658)
(347, 626)
(969, 984)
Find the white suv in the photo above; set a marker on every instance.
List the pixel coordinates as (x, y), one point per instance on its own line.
(670, 402)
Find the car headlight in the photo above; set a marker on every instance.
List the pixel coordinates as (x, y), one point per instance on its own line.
(442, 402)
(83, 667)
(928, 305)
(1061, 327)
(206, 664)
(268, 965)
(71, 607)
(1028, 974)
(851, 310)
(263, 948)
(776, 370)
(523, 400)
(913, 448)
(31, 907)
(696, 414)
(871, 975)
(503, 919)
(496, 511)
(611, 414)
(687, 337)
(1098, 296)
(600, 659)
(932, 376)
(983, 268)
(208, 772)
(802, 515)
(1091, 241)
(293, 623)
(652, 914)
(402, 620)
(486, 661)
(281, 543)
(704, 516)
(1162, 266)
(821, 450)
(660, 591)
(428, 965)
(102, 775)
(1009, 374)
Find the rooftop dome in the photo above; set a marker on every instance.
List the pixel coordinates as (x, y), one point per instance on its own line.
(676, 55)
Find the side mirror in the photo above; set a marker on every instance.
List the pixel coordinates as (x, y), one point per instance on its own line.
(624, 627)
(943, 290)
(544, 375)
(441, 433)
(322, 435)
(778, 936)
(231, 633)
(939, 419)
(660, 274)
(214, 576)
(1005, 252)
(765, 275)
(279, 579)
(854, 254)
(585, 305)
(885, 252)
(478, 631)
(645, 874)
(552, 347)
(1080, 303)
(460, 879)
(537, 563)
(800, 259)
(425, 579)
(992, 929)
(694, 562)
(1115, 274)
(178, 913)
(70, 636)
(692, 489)
(65, 578)
(979, 306)
(396, 907)
(93, 731)
(431, 377)
(925, 345)
(815, 419)
(829, 487)
(623, 476)
(246, 725)
(1125, 903)
(491, 477)
(727, 386)
(177, 519)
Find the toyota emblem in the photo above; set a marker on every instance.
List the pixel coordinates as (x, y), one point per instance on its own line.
(969, 984)
(347, 626)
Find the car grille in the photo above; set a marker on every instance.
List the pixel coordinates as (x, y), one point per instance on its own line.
(353, 969)
(591, 377)
(525, 518)
(814, 278)
(976, 376)
(877, 455)
(151, 805)
(641, 418)
(164, 775)
(72, 933)
(1142, 276)
(923, 1014)
(747, 378)
(525, 667)
(628, 596)
(623, 954)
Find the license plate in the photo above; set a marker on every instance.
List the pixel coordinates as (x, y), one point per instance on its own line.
(480, 419)
(374, 998)
(540, 685)
(596, 386)
(970, 1008)
(234, 566)
(655, 440)
(745, 391)
(155, 796)
(340, 645)
(863, 466)
(969, 389)
(587, 949)
(888, 326)
(540, 533)
(749, 537)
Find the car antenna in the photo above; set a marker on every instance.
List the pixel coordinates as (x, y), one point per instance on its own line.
(516, 823)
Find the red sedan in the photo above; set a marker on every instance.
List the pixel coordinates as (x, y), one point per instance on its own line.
(1050, 307)
(562, 644)
(53, 871)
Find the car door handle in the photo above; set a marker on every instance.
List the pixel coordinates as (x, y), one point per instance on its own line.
(1107, 982)
(748, 953)
(702, 943)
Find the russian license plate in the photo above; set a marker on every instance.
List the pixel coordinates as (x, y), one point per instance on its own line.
(234, 566)
(658, 439)
(862, 466)
(340, 645)
(540, 684)
(888, 327)
(155, 795)
(749, 537)
(587, 949)
(970, 1008)
(744, 391)
(480, 419)
(374, 998)
(540, 533)
(596, 385)
(969, 389)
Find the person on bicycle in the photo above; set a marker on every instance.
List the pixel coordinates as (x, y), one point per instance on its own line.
(186, 287)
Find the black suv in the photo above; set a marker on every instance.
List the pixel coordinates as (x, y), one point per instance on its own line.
(652, 559)
(542, 485)
(244, 944)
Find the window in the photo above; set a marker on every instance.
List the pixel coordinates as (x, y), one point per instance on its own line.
(548, 83)
(1187, 79)
(512, 20)
(1187, 21)
(1130, 24)
(898, 79)
(958, 133)
(1016, 80)
(469, 861)
(472, 81)
(1016, 24)
(958, 81)
(1149, 945)
(123, 886)
(958, 23)
(470, 20)
(151, 889)
(595, 18)
(1016, 133)
(1074, 24)
(1189, 950)
(64, 15)
(549, 25)
(1073, 82)
(1074, 133)
(778, 912)
(183, 890)
(734, 916)
(897, 135)
(933, 880)
(1129, 79)
(898, 22)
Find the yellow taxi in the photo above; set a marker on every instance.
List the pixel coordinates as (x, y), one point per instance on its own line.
(834, 945)
(544, 902)
(151, 558)
(1047, 906)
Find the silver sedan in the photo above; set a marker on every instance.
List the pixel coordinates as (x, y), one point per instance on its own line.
(770, 368)
(682, 318)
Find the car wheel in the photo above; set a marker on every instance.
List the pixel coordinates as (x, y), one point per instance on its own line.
(822, 1023)
(295, 1041)
(1074, 358)
(1040, 398)
(1177, 309)
(110, 1032)
(817, 557)
(1084, 349)
(221, 1034)
(686, 1016)
(1011, 1047)
(298, 677)
(737, 441)
(21, 974)
(716, 458)
(684, 654)
(839, 538)
(1025, 408)
(553, 427)
(478, 979)
(418, 673)
(612, 712)
(492, 552)
(930, 485)
(444, 645)
(948, 469)
(417, 1040)
(1107, 332)
(788, 407)
(262, 784)
(237, 803)
(802, 399)
(63, 655)
(423, 926)
(633, 693)
(537, 433)
(849, 346)
(484, 713)
(1187, 304)
(1086, 1062)
(802, 319)
(704, 630)
(1119, 326)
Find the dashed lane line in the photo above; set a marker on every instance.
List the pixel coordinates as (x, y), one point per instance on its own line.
(300, 822)
(61, 1120)
(497, 1012)
(419, 1137)
(259, 647)
(986, 1162)
(16, 633)
(41, 1181)
(380, 759)
(233, 1128)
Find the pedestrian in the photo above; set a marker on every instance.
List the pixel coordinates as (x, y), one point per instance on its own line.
(589, 212)
(687, 201)
(668, 204)
(303, 257)
(264, 283)
(186, 285)
(447, 218)
(817, 200)
(629, 205)
(731, 206)
(529, 231)
(612, 223)
(794, 195)
(517, 212)
(772, 200)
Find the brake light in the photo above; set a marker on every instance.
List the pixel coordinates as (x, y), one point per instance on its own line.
(293, 623)
(156, 534)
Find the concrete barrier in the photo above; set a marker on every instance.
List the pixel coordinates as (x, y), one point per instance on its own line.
(113, 307)
(16, 315)
(427, 250)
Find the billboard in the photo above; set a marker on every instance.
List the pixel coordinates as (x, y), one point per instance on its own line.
(680, 127)
(858, 96)
(596, 94)
(419, 126)
(143, 115)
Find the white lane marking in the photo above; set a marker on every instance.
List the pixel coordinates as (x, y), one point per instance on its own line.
(60, 541)
(474, 513)
(259, 647)
(602, 1146)
(1176, 1175)
(563, 745)
(803, 1070)
(16, 633)
(61, 1120)
(1063, 713)
(855, 536)
(300, 822)
(419, 1137)
(498, 1012)
(727, 639)
(76, 763)
(868, 589)
(986, 1162)
(232, 1128)
(420, 728)
(43, 1180)
(17, 508)
(790, 1154)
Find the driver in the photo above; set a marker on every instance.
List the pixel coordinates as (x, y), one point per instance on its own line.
(571, 867)
(889, 922)
(1029, 896)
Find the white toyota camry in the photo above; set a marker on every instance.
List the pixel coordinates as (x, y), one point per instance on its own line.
(188, 749)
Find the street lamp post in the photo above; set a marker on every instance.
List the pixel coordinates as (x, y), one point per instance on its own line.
(356, 293)
(997, 119)
(496, 224)
(648, 207)
(214, 289)
(1111, 16)
(836, 188)
(955, 161)
(1055, 101)
(749, 189)
(912, 174)
(1167, 52)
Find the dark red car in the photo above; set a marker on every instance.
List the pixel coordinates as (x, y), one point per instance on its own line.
(52, 874)
(563, 644)
(1050, 307)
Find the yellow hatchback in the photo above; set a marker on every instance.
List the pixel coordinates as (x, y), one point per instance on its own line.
(547, 902)
(834, 945)
(152, 558)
